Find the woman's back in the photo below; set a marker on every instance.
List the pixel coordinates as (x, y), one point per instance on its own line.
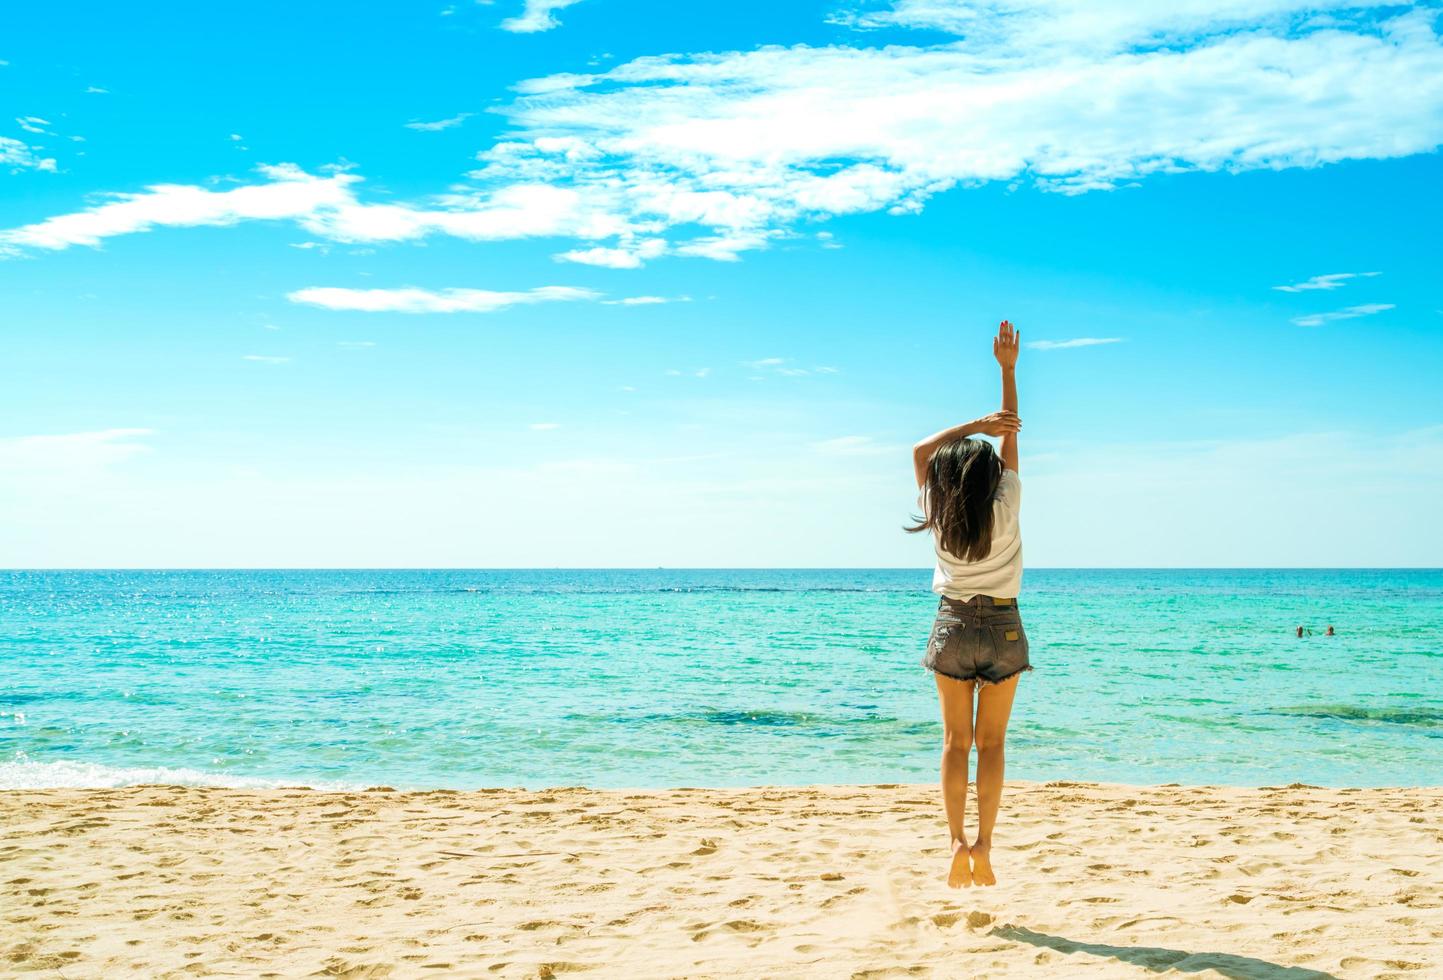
(999, 573)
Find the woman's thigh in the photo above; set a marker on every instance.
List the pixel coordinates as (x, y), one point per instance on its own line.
(956, 699)
(994, 708)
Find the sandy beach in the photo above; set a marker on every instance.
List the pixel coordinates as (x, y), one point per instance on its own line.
(1096, 880)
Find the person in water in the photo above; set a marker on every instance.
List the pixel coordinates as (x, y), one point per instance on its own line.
(969, 497)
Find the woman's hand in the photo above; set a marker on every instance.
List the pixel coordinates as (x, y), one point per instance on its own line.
(1006, 344)
(997, 424)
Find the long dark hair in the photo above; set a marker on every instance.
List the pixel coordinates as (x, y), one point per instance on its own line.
(962, 479)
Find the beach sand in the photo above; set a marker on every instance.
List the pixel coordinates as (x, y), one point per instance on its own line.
(1096, 881)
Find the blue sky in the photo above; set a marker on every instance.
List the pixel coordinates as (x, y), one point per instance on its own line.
(615, 283)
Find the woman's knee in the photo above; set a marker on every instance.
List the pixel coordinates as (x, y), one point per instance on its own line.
(990, 741)
(956, 740)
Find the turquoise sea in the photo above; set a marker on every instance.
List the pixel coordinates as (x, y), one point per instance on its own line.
(710, 677)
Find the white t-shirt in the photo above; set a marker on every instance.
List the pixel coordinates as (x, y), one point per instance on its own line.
(1000, 573)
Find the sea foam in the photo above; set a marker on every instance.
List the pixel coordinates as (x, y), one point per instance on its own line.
(21, 772)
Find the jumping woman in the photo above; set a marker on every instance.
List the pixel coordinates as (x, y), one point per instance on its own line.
(970, 496)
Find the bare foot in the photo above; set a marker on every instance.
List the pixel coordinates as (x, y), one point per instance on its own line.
(959, 875)
(982, 864)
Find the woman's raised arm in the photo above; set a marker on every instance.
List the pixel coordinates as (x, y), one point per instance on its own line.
(1004, 424)
(1005, 348)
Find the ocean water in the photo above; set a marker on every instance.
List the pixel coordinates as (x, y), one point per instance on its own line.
(702, 678)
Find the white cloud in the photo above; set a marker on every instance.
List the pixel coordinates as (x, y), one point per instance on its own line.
(18, 156)
(697, 373)
(610, 258)
(630, 256)
(1092, 24)
(785, 368)
(413, 300)
(537, 15)
(645, 300)
(265, 358)
(439, 124)
(33, 124)
(1349, 313)
(714, 154)
(355, 344)
(1075, 342)
(1333, 280)
(544, 426)
(325, 206)
(72, 450)
(748, 143)
(96, 90)
(290, 193)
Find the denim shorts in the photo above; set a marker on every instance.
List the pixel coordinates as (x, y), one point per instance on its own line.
(980, 639)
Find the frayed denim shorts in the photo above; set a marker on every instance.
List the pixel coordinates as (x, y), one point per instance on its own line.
(980, 639)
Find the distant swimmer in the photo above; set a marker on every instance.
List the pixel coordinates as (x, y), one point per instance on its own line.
(1302, 631)
(1330, 632)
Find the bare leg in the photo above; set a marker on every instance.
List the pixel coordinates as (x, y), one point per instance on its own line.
(956, 698)
(994, 707)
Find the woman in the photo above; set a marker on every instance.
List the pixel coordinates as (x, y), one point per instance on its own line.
(969, 497)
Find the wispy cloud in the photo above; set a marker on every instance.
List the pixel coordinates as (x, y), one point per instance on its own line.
(1096, 25)
(325, 206)
(33, 124)
(784, 367)
(266, 358)
(543, 426)
(20, 156)
(1348, 313)
(1074, 342)
(439, 124)
(1333, 280)
(631, 256)
(645, 300)
(413, 300)
(96, 90)
(537, 15)
(355, 344)
(72, 450)
(693, 373)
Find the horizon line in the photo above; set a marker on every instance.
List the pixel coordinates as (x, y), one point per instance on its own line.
(705, 568)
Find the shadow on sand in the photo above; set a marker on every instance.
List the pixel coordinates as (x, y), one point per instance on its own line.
(1159, 959)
